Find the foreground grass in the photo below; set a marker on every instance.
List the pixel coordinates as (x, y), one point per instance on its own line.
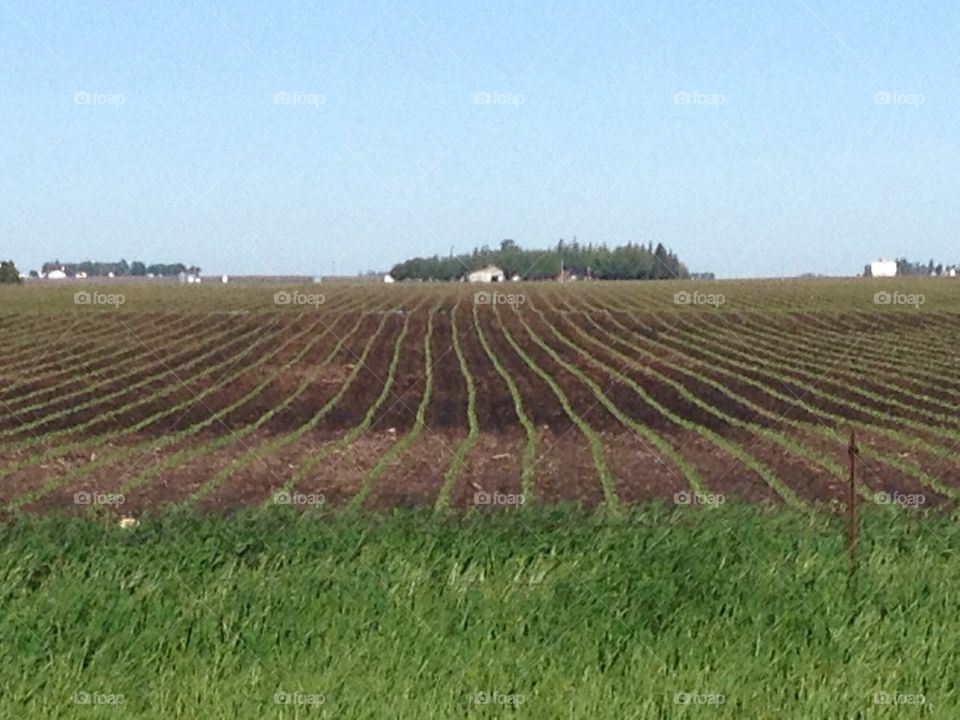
(735, 612)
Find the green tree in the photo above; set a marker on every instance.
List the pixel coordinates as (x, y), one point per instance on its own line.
(9, 275)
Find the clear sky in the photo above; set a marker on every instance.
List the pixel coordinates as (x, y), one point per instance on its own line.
(754, 138)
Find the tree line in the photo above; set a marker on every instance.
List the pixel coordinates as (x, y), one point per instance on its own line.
(120, 269)
(907, 267)
(632, 261)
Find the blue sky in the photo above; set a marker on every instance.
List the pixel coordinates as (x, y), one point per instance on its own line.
(755, 139)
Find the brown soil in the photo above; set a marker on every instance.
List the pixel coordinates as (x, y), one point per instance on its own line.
(564, 470)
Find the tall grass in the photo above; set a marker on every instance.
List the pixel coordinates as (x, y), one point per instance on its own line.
(550, 613)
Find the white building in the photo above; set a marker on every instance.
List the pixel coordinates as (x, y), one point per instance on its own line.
(883, 268)
(388, 278)
(491, 273)
(56, 275)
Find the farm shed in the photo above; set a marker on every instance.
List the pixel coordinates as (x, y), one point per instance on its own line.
(491, 273)
(883, 268)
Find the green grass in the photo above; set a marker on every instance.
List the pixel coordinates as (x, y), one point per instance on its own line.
(411, 615)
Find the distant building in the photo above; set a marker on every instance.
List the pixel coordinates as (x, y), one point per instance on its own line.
(491, 273)
(883, 268)
(388, 278)
(56, 275)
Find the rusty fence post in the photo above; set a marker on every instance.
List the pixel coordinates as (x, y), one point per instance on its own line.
(853, 451)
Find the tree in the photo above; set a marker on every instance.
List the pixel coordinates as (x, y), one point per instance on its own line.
(9, 275)
(662, 269)
(138, 269)
(632, 261)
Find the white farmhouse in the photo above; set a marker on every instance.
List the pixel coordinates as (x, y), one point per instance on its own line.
(491, 273)
(883, 268)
